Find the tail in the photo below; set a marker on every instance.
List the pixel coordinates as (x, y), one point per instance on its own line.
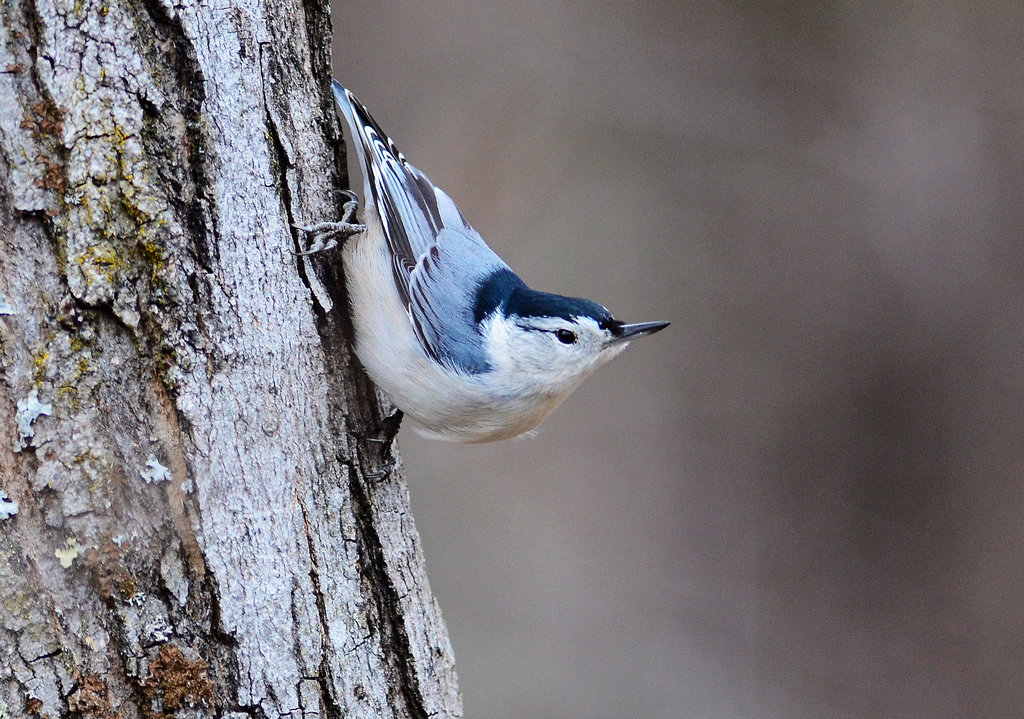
(359, 123)
(405, 200)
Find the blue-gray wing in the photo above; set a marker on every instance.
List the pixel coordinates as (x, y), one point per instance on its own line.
(438, 260)
(443, 290)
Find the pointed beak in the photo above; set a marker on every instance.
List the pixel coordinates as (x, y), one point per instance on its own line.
(624, 333)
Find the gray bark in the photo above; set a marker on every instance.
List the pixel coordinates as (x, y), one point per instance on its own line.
(210, 516)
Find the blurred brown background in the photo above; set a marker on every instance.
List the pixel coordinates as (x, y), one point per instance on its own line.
(804, 499)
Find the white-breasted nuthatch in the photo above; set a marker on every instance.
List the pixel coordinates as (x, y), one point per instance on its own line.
(442, 325)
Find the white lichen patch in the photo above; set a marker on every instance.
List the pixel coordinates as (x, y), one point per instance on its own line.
(158, 631)
(68, 553)
(154, 471)
(29, 410)
(5, 306)
(8, 507)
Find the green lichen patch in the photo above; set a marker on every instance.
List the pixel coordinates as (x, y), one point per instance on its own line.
(100, 263)
(117, 213)
(40, 365)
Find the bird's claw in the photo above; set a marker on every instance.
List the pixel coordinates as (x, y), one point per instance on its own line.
(325, 235)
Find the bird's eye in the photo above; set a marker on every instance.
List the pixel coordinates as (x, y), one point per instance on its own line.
(566, 337)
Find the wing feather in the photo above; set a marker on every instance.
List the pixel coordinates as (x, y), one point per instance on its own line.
(438, 260)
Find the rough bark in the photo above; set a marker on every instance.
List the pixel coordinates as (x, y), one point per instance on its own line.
(211, 519)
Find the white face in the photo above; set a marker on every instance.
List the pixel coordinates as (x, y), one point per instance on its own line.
(547, 355)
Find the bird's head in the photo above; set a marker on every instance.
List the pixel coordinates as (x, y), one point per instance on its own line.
(547, 344)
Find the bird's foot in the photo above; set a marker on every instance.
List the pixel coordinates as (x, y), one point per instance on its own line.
(325, 235)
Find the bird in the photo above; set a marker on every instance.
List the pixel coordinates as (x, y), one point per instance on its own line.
(460, 344)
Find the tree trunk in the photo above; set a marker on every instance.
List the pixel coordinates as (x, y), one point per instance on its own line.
(204, 513)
